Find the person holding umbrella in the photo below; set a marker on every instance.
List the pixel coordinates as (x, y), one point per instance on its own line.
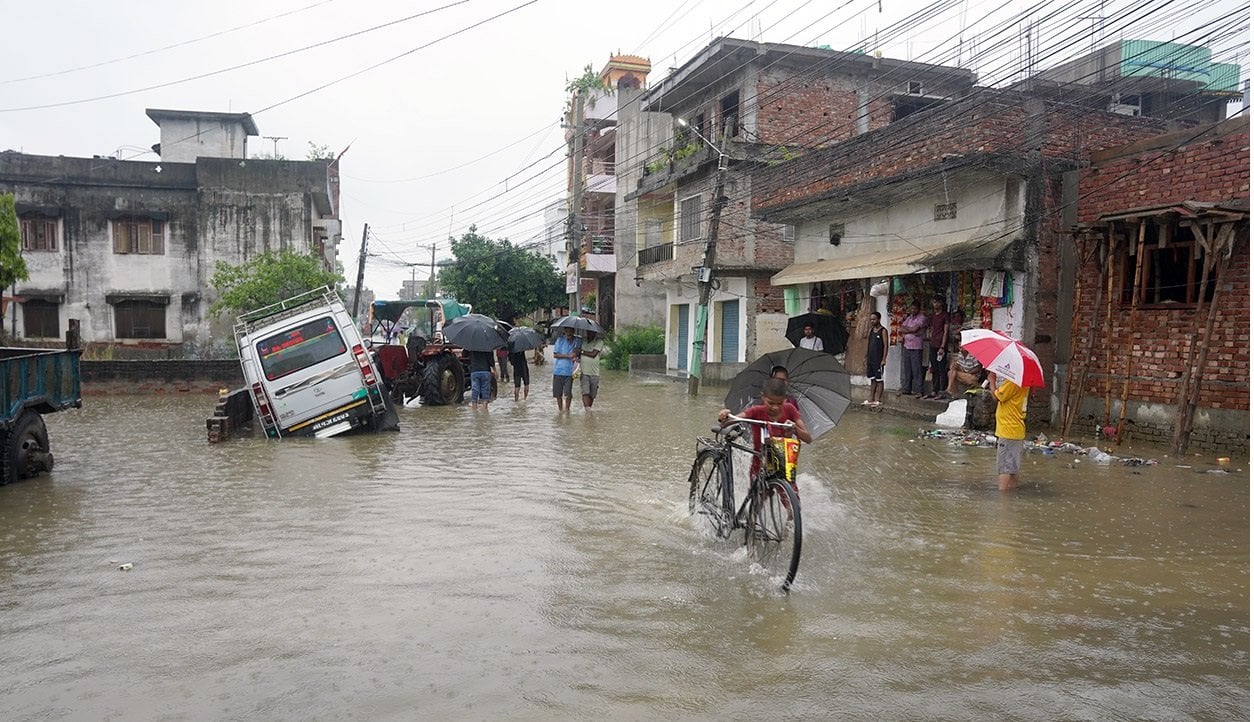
(809, 340)
(1011, 430)
(482, 369)
(565, 354)
(590, 368)
(1019, 368)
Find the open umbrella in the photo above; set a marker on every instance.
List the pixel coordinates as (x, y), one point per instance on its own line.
(816, 379)
(1004, 356)
(522, 338)
(827, 327)
(579, 323)
(475, 332)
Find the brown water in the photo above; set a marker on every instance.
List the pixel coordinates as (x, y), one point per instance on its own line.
(525, 565)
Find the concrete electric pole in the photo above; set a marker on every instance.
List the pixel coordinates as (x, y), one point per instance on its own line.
(705, 274)
(574, 228)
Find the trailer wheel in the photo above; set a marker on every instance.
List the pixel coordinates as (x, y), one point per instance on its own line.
(442, 381)
(26, 450)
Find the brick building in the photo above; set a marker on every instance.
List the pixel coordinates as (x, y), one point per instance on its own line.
(761, 103)
(1162, 320)
(963, 201)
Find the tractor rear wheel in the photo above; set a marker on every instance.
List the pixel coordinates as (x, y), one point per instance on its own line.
(26, 448)
(442, 381)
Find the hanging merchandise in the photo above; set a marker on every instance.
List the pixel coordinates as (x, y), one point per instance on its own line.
(993, 285)
(880, 289)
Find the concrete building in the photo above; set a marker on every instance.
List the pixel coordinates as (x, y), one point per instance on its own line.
(128, 247)
(1161, 347)
(763, 104)
(593, 187)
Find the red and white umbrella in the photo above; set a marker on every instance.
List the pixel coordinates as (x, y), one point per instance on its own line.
(1004, 356)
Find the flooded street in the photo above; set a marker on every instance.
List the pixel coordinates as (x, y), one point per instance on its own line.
(525, 565)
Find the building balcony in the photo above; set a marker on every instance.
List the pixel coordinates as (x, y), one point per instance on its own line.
(655, 254)
(597, 258)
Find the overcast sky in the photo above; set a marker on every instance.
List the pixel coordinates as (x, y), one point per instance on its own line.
(459, 123)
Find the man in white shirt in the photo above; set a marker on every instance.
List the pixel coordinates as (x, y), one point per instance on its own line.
(809, 340)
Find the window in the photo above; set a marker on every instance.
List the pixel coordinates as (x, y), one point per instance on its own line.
(1172, 272)
(729, 114)
(946, 211)
(835, 233)
(790, 232)
(138, 235)
(690, 219)
(309, 343)
(139, 319)
(41, 319)
(914, 87)
(39, 234)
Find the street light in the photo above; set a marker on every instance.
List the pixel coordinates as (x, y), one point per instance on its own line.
(722, 157)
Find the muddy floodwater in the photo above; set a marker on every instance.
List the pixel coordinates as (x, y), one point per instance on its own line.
(525, 565)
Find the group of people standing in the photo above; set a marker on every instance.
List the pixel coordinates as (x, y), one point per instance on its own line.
(932, 342)
(576, 357)
(573, 358)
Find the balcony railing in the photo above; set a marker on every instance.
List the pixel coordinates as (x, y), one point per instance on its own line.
(599, 245)
(656, 254)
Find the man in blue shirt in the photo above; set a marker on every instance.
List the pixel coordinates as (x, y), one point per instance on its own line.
(565, 354)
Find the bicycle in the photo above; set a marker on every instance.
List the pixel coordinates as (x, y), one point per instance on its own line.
(769, 513)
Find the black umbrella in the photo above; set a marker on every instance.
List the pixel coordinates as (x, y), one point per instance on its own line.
(817, 380)
(475, 332)
(522, 338)
(579, 323)
(827, 327)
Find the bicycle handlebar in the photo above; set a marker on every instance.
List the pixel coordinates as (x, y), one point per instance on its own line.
(782, 424)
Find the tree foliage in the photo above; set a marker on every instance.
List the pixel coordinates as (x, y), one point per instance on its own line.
(268, 278)
(12, 265)
(500, 279)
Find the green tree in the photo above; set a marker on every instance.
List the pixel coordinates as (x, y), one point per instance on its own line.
(319, 152)
(500, 279)
(268, 278)
(12, 265)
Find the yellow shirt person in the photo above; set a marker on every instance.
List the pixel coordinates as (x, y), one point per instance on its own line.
(1012, 406)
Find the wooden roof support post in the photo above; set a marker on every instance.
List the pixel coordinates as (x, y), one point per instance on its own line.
(1079, 364)
(1109, 329)
(1219, 255)
(1137, 282)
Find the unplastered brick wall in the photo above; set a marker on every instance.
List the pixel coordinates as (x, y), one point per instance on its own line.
(1205, 164)
(987, 122)
(815, 112)
(1209, 164)
(1151, 352)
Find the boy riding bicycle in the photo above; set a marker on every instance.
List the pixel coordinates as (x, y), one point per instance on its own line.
(777, 409)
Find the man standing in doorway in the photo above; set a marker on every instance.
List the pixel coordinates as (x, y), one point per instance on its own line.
(565, 354)
(590, 368)
(938, 341)
(914, 328)
(809, 340)
(1012, 406)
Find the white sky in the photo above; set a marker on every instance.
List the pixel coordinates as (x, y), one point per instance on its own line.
(465, 130)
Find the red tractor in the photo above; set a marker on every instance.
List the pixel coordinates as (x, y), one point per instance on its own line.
(424, 366)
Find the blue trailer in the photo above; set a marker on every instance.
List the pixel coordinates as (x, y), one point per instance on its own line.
(37, 381)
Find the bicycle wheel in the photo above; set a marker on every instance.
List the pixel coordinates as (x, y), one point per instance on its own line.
(706, 491)
(773, 530)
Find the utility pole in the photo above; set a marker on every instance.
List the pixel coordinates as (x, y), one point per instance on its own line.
(431, 277)
(574, 230)
(361, 268)
(276, 139)
(705, 274)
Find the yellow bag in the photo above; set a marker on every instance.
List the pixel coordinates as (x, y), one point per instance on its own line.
(788, 450)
